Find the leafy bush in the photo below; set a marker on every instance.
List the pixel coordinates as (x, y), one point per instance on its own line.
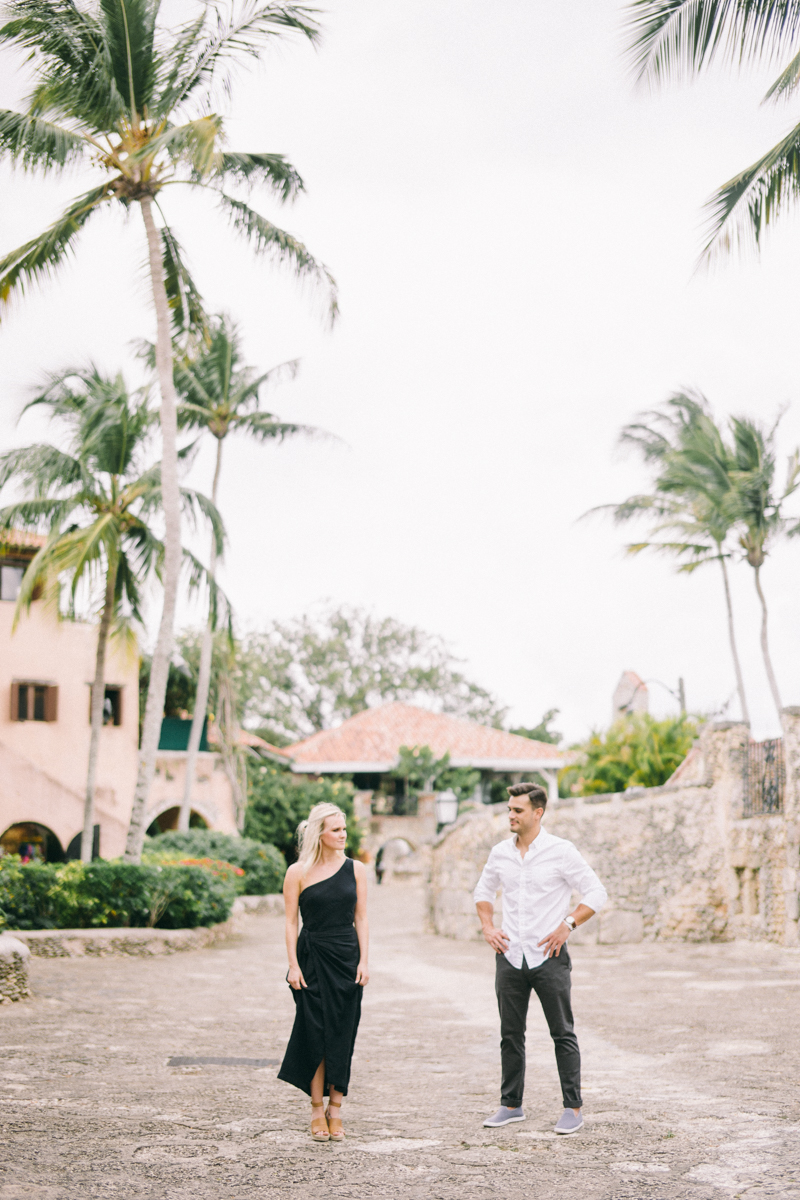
(110, 894)
(277, 804)
(638, 751)
(264, 867)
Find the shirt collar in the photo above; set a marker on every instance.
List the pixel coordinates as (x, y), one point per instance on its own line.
(541, 840)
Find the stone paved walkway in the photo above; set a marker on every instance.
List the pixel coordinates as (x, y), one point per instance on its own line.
(691, 1059)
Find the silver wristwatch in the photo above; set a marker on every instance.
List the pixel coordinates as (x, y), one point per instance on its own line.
(570, 921)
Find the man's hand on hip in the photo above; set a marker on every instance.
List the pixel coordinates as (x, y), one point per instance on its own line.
(496, 938)
(555, 940)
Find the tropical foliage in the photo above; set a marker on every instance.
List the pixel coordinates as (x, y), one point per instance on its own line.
(714, 498)
(541, 732)
(638, 751)
(674, 38)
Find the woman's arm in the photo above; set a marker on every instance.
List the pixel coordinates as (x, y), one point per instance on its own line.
(361, 924)
(291, 896)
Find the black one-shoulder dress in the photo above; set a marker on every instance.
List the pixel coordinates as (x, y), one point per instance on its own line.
(328, 1010)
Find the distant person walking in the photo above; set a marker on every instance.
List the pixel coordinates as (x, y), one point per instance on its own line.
(327, 965)
(538, 873)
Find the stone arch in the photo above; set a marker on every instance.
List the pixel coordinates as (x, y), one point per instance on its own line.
(164, 816)
(40, 838)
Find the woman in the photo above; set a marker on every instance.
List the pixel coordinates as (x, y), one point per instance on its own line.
(327, 965)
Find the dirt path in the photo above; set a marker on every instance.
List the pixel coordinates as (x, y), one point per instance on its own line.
(691, 1059)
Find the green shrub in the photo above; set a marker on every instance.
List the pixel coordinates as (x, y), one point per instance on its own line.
(25, 894)
(110, 894)
(277, 804)
(264, 867)
(637, 751)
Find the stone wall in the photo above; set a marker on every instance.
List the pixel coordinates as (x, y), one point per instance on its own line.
(679, 861)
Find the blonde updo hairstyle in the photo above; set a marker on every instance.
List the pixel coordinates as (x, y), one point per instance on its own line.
(309, 834)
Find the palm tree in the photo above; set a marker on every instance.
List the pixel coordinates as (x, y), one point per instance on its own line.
(221, 395)
(134, 102)
(759, 511)
(682, 37)
(96, 502)
(693, 498)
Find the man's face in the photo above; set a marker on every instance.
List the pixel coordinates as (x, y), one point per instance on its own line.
(522, 817)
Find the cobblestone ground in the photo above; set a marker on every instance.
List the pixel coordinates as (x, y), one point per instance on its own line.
(690, 1053)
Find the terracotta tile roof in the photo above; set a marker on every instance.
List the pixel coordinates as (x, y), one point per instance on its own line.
(19, 539)
(246, 738)
(371, 740)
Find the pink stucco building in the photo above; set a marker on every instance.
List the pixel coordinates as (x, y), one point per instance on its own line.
(46, 670)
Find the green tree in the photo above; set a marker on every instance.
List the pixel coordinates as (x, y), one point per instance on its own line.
(541, 732)
(675, 38)
(277, 803)
(759, 509)
(638, 751)
(132, 100)
(96, 503)
(310, 673)
(693, 501)
(221, 395)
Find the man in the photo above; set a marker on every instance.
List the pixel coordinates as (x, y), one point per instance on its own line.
(538, 873)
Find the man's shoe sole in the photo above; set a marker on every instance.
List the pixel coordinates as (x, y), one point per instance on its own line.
(499, 1124)
(568, 1132)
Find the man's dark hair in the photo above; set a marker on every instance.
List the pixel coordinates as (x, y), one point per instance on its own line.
(536, 794)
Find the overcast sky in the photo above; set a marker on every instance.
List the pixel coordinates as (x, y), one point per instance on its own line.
(514, 228)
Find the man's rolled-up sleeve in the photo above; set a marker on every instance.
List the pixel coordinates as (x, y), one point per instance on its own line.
(584, 881)
(489, 883)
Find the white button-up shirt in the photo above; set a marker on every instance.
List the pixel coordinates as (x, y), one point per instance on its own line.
(536, 890)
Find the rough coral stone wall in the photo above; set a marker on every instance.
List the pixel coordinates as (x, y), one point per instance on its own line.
(679, 861)
(14, 958)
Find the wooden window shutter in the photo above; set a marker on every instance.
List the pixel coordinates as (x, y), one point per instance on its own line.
(51, 703)
(15, 702)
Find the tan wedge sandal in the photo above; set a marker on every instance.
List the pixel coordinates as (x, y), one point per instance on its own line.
(319, 1125)
(337, 1133)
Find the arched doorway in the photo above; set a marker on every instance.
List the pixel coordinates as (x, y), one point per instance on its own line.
(74, 848)
(168, 820)
(32, 841)
(390, 856)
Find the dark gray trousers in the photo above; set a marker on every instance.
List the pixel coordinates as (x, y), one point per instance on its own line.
(551, 982)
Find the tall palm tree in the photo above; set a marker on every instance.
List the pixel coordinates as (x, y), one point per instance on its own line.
(672, 38)
(693, 498)
(759, 510)
(221, 395)
(133, 101)
(96, 502)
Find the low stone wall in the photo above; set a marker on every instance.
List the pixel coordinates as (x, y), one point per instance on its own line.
(14, 957)
(136, 943)
(680, 861)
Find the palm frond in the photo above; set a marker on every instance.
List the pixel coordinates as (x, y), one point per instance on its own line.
(786, 83)
(264, 427)
(671, 38)
(741, 210)
(243, 35)
(193, 143)
(195, 505)
(40, 466)
(183, 295)
(36, 515)
(219, 605)
(129, 28)
(37, 144)
(39, 258)
(266, 238)
(270, 169)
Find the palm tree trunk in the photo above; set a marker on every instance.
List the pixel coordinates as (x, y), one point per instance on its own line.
(98, 701)
(159, 672)
(204, 676)
(773, 683)
(732, 637)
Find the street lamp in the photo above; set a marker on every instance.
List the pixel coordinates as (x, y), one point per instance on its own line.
(446, 807)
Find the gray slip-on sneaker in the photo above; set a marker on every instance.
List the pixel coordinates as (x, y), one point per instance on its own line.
(504, 1116)
(569, 1122)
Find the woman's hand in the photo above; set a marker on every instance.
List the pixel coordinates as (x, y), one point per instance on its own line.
(295, 978)
(362, 974)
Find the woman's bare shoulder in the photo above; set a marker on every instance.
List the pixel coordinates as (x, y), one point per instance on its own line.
(360, 869)
(293, 874)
